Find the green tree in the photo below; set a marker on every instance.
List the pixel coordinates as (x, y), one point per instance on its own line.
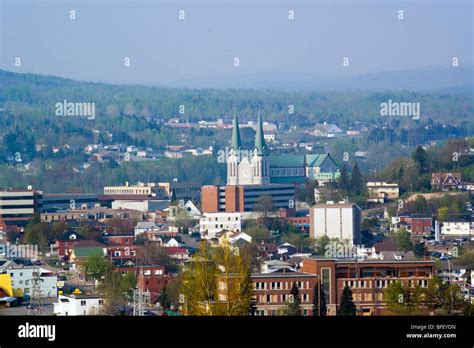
(420, 205)
(397, 297)
(265, 206)
(163, 298)
(441, 295)
(442, 214)
(356, 181)
(321, 244)
(420, 249)
(96, 266)
(319, 301)
(89, 232)
(258, 233)
(347, 306)
(344, 179)
(293, 308)
(403, 240)
(117, 290)
(420, 157)
(216, 281)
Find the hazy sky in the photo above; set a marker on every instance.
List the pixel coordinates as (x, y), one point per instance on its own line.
(163, 48)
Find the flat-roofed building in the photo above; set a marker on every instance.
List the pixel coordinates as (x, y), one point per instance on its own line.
(17, 206)
(68, 201)
(243, 198)
(381, 191)
(273, 291)
(212, 223)
(367, 279)
(139, 189)
(336, 220)
(68, 305)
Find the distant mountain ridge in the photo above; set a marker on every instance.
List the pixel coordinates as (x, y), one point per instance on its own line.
(452, 80)
(412, 80)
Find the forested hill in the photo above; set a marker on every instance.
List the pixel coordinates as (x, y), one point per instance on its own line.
(36, 95)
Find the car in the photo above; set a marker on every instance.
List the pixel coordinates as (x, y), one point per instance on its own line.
(26, 299)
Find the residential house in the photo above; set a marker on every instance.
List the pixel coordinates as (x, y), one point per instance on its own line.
(445, 181)
(328, 130)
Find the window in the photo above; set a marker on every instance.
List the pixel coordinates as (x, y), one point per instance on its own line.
(326, 282)
(83, 302)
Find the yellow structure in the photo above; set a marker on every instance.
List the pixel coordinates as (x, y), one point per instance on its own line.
(6, 284)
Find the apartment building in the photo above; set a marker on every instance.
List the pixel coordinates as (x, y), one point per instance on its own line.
(212, 223)
(336, 220)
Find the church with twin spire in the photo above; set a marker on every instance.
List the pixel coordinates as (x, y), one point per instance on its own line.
(246, 167)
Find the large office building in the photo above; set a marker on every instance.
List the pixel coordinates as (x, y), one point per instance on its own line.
(17, 206)
(336, 220)
(68, 201)
(173, 190)
(243, 198)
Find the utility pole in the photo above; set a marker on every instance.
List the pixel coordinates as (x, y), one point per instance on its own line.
(451, 285)
(35, 307)
(141, 301)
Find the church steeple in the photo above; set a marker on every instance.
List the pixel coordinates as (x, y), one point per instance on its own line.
(235, 143)
(259, 138)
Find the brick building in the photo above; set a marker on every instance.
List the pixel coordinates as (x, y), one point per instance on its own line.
(367, 279)
(242, 198)
(418, 225)
(272, 291)
(152, 278)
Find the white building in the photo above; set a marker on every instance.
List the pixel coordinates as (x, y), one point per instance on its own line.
(212, 223)
(144, 226)
(22, 278)
(336, 220)
(381, 191)
(457, 228)
(78, 305)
